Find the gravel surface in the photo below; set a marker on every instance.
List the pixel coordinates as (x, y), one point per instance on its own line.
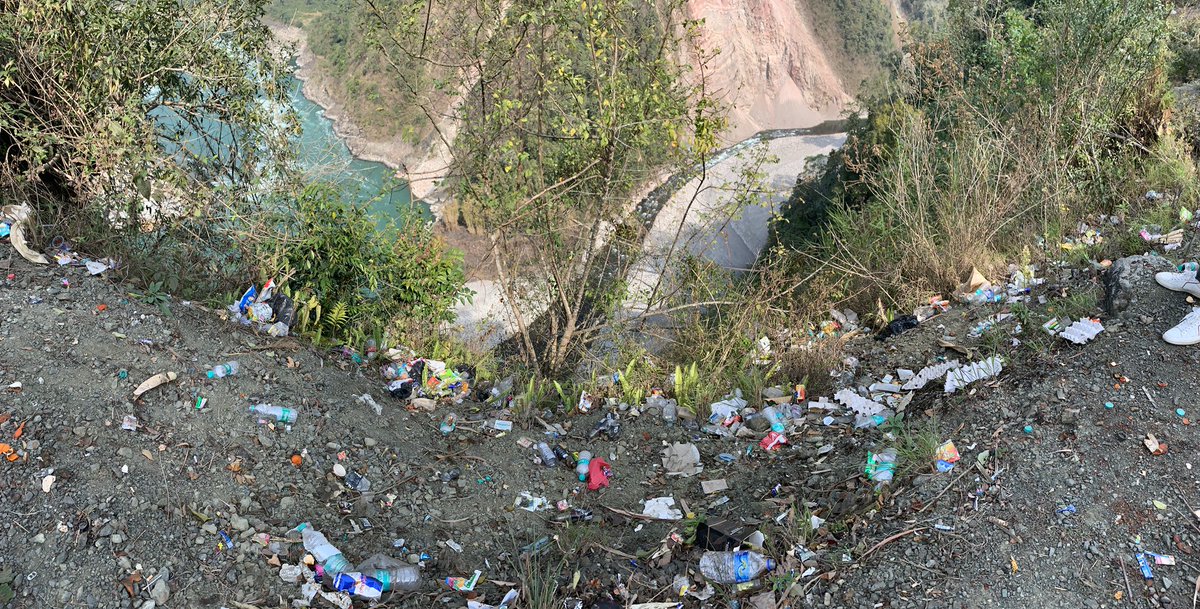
(94, 515)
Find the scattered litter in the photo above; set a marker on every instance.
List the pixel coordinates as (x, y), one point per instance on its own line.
(1078, 332)
(881, 466)
(713, 486)
(463, 584)
(1144, 565)
(1066, 510)
(367, 400)
(1154, 446)
(928, 374)
(48, 482)
(129, 423)
(682, 460)
(529, 503)
(961, 377)
(946, 456)
(662, 508)
(154, 381)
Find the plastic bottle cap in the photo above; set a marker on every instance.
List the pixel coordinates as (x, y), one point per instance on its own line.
(770, 564)
(210, 374)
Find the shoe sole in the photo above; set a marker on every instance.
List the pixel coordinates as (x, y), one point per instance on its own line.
(1192, 288)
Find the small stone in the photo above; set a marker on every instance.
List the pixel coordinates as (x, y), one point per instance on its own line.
(369, 442)
(239, 523)
(39, 538)
(1167, 583)
(116, 539)
(339, 470)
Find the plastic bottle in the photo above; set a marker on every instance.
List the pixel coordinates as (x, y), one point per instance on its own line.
(329, 557)
(581, 466)
(448, 424)
(279, 413)
(670, 412)
(774, 417)
(546, 454)
(391, 573)
(881, 466)
(223, 370)
(734, 567)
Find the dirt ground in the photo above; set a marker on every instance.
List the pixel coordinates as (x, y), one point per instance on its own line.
(127, 510)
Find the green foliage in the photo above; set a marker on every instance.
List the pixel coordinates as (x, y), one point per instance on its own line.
(145, 128)
(156, 297)
(352, 68)
(368, 283)
(688, 388)
(1185, 47)
(1010, 124)
(858, 33)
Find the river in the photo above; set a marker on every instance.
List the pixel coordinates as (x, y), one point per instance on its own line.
(323, 155)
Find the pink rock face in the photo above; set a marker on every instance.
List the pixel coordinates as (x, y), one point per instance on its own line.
(771, 67)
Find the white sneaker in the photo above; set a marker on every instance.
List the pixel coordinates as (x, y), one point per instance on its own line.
(1187, 332)
(1183, 281)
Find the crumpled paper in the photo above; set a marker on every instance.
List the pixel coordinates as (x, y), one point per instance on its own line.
(662, 508)
(682, 460)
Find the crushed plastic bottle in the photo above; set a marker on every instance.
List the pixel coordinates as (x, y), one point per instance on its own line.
(546, 454)
(881, 467)
(392, 574)
(734, 567)
(279, 413)
(223, 370)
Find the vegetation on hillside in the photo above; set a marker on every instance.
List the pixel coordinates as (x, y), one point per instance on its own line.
(1000, 132)
(154, 132)
(361, 79)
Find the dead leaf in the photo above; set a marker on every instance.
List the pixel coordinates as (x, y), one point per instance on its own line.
(5, 417)
(5, 448)
(147, 454)
(1013, 563)
(20, 431)
(235, 467)
(291, 363)
(128, 582)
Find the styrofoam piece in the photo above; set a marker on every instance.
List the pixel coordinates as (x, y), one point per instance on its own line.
(928, 374)
(965, 375)
(1082, 331)
(884, 387)
(857, 403)
(905, 374)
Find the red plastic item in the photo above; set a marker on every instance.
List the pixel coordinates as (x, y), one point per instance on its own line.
(772, 441)
(598, 473)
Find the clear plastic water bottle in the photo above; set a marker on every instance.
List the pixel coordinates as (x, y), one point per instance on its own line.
(734, 567)
(670, 412)
(581, 465)
(279, 413)
(547, 455)
(223, 370)
(775, 418)
(330, 558)
(881, 466)
(391, 573)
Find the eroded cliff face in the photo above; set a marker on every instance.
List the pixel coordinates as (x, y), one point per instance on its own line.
(772, 69)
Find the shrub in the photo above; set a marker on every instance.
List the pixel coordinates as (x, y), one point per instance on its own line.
(351, 280)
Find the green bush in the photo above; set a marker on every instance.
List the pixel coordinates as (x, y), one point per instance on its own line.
(352, 281)
(1008, 126)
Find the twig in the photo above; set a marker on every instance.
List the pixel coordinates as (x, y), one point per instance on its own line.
(966, 470)
(889, 540)
(1128, 589)
(629, 514)
(612, 551)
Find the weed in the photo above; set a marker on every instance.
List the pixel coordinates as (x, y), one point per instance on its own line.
(539, 580)
(1079, 304)
(915, 446)
(155, 296)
